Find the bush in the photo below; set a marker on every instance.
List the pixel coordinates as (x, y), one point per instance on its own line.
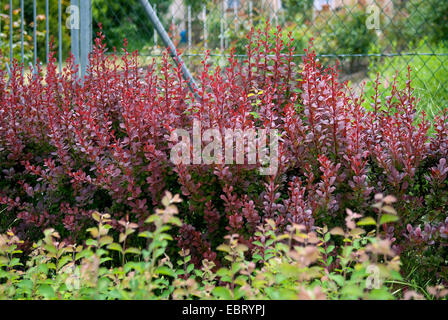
(294, 265)
(69, 149)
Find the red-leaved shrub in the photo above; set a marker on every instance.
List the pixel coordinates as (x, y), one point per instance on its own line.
(70, 147)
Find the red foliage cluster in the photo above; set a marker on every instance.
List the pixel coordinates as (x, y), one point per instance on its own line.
(68, 147)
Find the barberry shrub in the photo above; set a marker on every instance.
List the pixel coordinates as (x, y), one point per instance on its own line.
(70, 147)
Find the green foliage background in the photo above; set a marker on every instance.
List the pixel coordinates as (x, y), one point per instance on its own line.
(126, 19)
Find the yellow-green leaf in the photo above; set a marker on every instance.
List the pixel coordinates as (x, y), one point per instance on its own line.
(115, 247)
(387, 218)
(166, 271)
(367, 221)
(223, 293)
(133, 250)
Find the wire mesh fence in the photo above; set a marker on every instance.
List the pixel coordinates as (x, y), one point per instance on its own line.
(366, 36)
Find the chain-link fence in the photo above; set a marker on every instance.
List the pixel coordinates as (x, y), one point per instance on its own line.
(366, 36)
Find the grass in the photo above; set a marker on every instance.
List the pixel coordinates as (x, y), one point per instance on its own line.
(429, 75)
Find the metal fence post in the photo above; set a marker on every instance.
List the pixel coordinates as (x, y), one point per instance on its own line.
(189, 27)
(47, 30)
(204, 15)
(74, 30)
(11, 31)
(235, 17)
(170, 46)
(221, 27)
(60, 34)
(35, 34)
(250, 12)
(155, 32)
(21, 31)
(0, 25)
(85, 14)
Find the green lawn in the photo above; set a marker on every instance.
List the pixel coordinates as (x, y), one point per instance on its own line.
(429, 77)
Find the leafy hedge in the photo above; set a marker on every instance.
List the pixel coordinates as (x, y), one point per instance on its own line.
(68, 150)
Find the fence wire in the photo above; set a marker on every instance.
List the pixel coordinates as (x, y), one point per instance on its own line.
(366, 36)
